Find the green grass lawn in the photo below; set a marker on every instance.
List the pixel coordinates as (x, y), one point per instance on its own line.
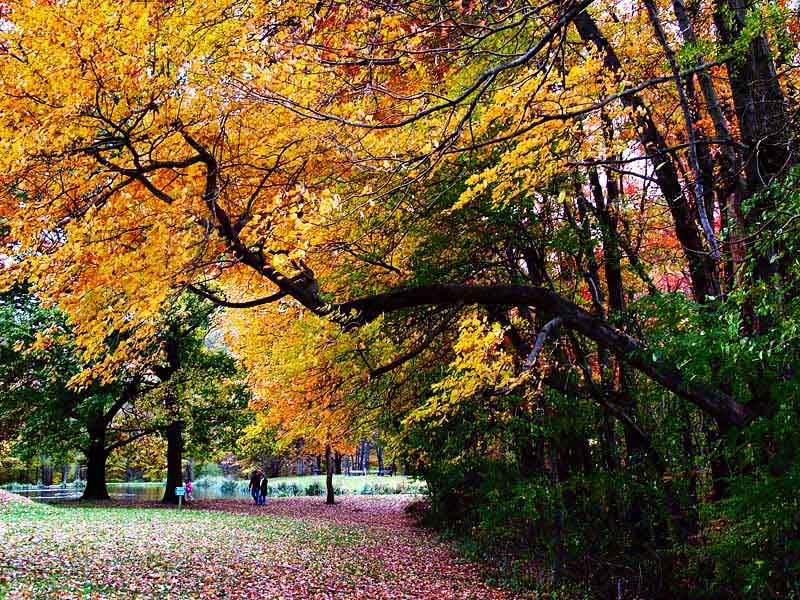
(57, 551)
(302, 549)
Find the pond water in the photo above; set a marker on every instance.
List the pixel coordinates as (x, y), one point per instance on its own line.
(123, 492)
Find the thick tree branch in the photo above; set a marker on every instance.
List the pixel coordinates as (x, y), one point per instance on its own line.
(723, 407)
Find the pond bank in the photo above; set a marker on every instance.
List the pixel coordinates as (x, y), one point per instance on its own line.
(217, 488)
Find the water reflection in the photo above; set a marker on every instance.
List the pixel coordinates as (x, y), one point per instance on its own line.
(124, 492)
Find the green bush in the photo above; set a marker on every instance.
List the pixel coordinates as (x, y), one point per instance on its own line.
(314, 489)
(283, 490)
(230, 486)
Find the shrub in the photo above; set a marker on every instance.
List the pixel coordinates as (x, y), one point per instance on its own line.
(284, 490)
(315, 489)
(230, 486)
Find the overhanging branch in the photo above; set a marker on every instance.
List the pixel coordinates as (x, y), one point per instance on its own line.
(723, 407)
(229, 304)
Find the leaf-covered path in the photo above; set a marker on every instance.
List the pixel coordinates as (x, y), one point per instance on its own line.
(363, 547)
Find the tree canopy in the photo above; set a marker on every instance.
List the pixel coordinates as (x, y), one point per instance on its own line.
(546, 240)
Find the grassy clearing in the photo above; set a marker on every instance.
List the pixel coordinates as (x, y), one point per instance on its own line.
(302, 549)
(54, 551)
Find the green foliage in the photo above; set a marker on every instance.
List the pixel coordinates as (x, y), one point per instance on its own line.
(755, 537)
(207, 470)
(314, 489)
(228, 487)
(38, 409)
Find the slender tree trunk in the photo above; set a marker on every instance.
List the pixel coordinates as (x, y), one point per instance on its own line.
(337, 463)
(328, 475)
(363, 455)
(732, 186)
(702, 269)
(46, 470)
(174, 434)
(379, 452)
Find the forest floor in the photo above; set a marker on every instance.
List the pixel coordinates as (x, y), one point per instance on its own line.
(292, 548)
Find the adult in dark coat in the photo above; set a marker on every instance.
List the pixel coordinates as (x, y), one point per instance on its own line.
(263, 489)
(255, 479)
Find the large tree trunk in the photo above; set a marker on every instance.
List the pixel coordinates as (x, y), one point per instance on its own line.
(174, 434)
(759, 102)
(174, 431)
(96, 456)
(329, 499)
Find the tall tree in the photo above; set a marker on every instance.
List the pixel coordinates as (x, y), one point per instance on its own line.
(38, 361)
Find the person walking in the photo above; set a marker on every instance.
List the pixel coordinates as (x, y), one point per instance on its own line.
(188, 486)
(254, 486)
(263, 489)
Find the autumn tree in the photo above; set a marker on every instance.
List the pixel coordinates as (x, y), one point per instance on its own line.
(610, 189)
(199, 398)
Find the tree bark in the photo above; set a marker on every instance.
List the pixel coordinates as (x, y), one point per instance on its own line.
(329, 499)
(96, 456)
(732, 186)
(758, 99)
(174, 433)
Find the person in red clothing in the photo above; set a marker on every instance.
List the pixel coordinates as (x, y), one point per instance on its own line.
(188, 486)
